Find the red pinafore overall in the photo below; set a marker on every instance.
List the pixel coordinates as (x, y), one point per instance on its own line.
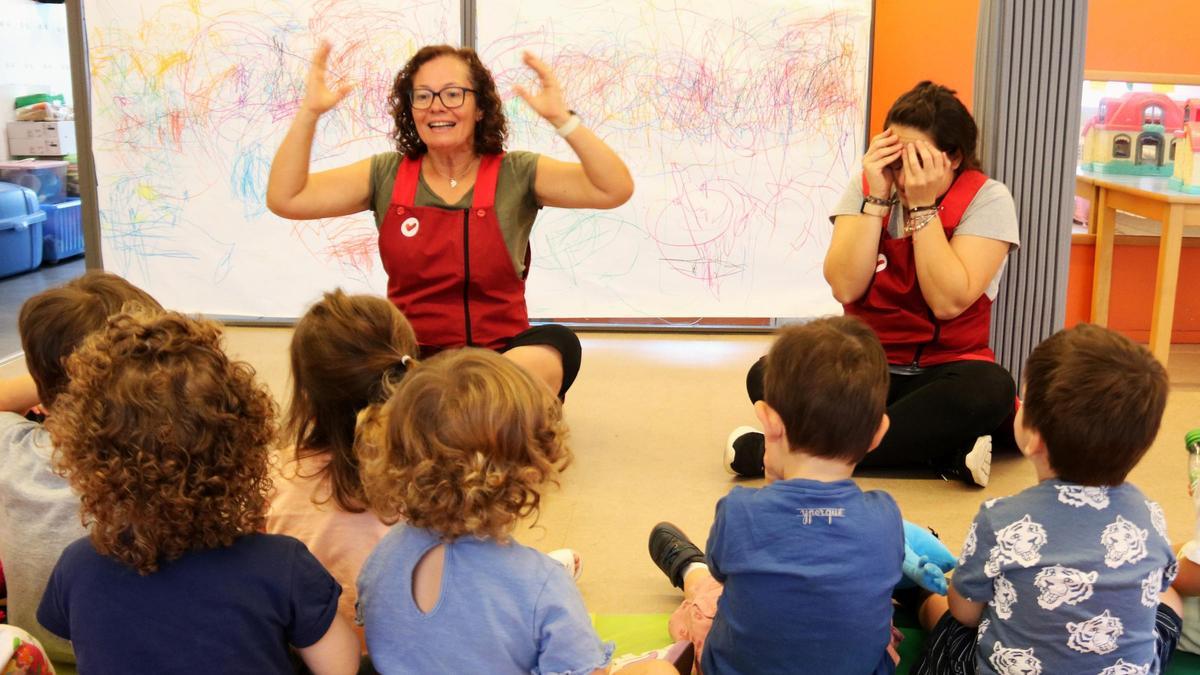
(894, 307)
(449, 270)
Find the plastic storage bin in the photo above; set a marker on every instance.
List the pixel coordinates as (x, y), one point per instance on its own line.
(62, 233)
(20, 230)
(47, 178)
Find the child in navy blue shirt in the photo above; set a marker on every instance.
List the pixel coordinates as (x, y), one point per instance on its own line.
(1072, 574)
(808, 563)
(165, 440)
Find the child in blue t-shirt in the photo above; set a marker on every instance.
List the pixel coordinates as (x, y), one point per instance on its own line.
(1071, 575)
(808, 562)
(165, 440)
(467, 441)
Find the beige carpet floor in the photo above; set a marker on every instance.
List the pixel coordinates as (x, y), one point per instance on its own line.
(649, 416)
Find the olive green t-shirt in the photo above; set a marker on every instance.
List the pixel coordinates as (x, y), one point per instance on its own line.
(516, 202)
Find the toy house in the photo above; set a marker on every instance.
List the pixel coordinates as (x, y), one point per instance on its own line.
(1132, 135)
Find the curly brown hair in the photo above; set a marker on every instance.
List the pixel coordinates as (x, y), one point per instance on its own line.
(347, 352)
(470, 439)
(491, 131)
(164, 438)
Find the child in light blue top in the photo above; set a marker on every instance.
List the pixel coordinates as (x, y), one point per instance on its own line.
(460, 452)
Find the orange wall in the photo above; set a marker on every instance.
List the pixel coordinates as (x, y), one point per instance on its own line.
(1170, 50)
(904, 54)
(1165, 46)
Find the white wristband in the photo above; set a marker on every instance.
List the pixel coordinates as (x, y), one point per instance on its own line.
(570, 125)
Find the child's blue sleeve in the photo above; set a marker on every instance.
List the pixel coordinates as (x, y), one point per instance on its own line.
(971, 578)
(567, 641)
(314, 599)
(715, 548)
(53, 613)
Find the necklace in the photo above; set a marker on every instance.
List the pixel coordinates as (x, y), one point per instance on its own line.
(454, 179)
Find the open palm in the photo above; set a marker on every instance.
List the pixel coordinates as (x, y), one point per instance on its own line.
(318, 96)
(548, 101)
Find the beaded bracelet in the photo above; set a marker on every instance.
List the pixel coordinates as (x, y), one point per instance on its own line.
(923, 218)
(881, 202)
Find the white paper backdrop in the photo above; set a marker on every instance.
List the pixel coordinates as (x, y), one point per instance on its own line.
(741, 122)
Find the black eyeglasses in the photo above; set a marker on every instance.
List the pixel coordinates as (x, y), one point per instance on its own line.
(451, 97)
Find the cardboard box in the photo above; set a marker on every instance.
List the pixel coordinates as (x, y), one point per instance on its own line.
(42, 139)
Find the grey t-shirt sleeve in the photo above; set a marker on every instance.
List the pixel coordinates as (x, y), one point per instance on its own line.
(991, 214)
(851, 202)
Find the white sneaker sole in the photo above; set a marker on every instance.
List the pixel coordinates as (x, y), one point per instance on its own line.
(979, 461)
(730, 453)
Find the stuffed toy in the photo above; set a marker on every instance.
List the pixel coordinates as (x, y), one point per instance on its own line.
(926, 560)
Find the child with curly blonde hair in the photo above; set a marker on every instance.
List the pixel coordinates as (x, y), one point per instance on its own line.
(469, 441)
(347, 353)
(165, 440)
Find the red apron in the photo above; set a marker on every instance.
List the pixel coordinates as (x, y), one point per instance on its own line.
(894, 307)
(449, 270)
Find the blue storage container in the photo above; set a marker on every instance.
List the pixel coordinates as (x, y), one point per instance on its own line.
(20, 230)
(63, 230)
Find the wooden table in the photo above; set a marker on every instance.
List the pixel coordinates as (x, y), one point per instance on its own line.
(1149, 198)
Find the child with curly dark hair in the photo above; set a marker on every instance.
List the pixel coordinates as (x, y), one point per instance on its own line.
(470, 439)
(165, 440)
(347, 353)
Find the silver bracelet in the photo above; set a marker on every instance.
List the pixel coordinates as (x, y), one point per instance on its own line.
(916, 223)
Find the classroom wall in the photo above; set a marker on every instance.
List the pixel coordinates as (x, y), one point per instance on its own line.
(34, 55)
(921, 40)
(1167, 47)
(935, 39)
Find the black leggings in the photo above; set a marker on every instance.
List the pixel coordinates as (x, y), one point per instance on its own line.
(934, 415)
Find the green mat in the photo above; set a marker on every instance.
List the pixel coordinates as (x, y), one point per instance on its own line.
(637, 633)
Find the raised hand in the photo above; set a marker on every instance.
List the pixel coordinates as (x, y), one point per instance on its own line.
(877, 163)
(548, 102)
(927, 174)
(318, 97)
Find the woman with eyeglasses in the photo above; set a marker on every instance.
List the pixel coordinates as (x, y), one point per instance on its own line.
(454, 210)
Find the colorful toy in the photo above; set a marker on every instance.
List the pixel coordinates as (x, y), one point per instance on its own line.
(926, 560)
(1186, 150)
(22, 654)
(1135, 134)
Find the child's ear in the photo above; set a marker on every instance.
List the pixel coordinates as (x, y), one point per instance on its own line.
(884, 424)
(1035, 445)
(772, 423)
(956, 160)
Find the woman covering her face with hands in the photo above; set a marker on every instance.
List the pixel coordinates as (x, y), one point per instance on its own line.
(919, 244)
(454, 210)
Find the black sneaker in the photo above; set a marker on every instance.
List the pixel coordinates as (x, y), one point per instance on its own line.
(672, 551)
(744, 452)
(973, 467)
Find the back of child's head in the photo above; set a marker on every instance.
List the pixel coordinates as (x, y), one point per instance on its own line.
(469, 440)
(164, 438)
(347, 352)
(54, 322)
(828, 381)
(1096, 398)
